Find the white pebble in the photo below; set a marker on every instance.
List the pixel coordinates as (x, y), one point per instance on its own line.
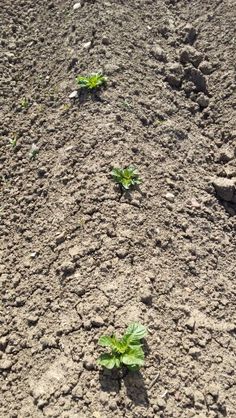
(87, 45)
(77, 6)
(170, 197)
(73, 95)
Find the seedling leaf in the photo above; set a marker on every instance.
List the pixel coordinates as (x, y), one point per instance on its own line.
(126, 351)
(136, 331)
(107, 360)
(126, 177)
(91, 82)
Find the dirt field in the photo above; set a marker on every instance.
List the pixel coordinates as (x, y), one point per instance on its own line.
(78, 261)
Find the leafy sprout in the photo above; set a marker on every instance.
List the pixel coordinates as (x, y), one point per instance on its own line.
(126, 177)
(92, 82)
(13, 141)
(126, 351)
(33, 151)
(24, 103)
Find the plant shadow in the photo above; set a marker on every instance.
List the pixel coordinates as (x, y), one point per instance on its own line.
(85, 95)
(136, 389)
(111, 381)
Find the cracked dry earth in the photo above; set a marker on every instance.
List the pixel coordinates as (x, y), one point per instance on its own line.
(78, 260)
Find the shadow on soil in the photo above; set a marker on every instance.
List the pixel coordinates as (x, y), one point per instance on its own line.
(111, 381)
(85, 95)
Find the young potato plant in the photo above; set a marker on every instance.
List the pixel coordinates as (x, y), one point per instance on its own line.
(24, 103)
(33, 152)
(13, 141)
(126, 177)
(92, 82)
(126, 351)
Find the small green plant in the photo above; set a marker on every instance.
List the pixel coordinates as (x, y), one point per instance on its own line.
(92, 81)
(126, 105)
(33, 151)
(24, 103)
(13, 141)
(126, 351)
(126, 177)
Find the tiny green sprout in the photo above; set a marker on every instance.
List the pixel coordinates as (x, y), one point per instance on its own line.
(24, 103)
(126, 177)
(126, 105)
(126, 351)
(13, 141)
(92, 81)
(33, 151)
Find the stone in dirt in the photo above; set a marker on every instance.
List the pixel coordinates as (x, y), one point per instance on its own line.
(5, 364)
(67, 267)
(225, 188)
(190, 54)
(73, 95)
(77, 6)
(159, 53)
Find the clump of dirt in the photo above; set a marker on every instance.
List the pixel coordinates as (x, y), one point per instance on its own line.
(77, 259)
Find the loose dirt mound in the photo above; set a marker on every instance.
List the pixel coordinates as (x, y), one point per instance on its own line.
(78, 261)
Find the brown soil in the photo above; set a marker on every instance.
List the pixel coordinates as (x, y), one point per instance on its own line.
(78, 261)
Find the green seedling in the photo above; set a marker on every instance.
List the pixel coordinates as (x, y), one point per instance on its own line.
(33, 151)
(13, 141)
(126, 105)
(24, 103)
(126, 177)
(126, 351)
(92, 81)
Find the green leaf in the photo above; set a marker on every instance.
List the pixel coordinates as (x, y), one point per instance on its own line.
(106, 341)
(120, 346)
(134, 357)
(136, 331)
(107, 360)
(126, 183)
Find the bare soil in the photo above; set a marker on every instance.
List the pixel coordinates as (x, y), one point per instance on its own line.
(77, 259)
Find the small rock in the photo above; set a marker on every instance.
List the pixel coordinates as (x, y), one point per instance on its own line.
(97, 321)
(226, 155)
(170, 197)
(112, 405)
(159, 53)
(161, 402)
(105, 40)
(190, 33)
(146, 297)
(77, 6)
(67, 267)
(198, 397)
(194, 74)
(74, 95)
(202, 100)
(194, 352)
(110, 68)
(89, 363)
(77, 392)
(60, 238)
(190, 54)
(87, 324)
(74, 251)
(205, 67)
(87, 45)
(190, 324)
(225, 188)
(41, 171)
(174, 74)
(122, 253)
(32, 319)
(213, 390)
(3, 343)
(5, 364)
